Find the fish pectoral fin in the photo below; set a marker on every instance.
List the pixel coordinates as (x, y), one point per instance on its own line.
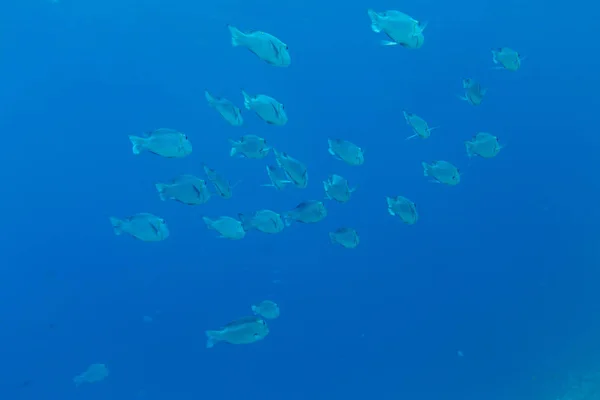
(388, 43)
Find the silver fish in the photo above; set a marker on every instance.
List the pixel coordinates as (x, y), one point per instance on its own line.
(229, 111)
(307, 212)
(507, 58)
(222, 185)
(278, 177)
(242, 331)
(250, 146)
(346, 237)
(403, 208)
(294, 169)
(337, 188)
(267, 108)
(186, 189)
(267, 309)
(346, 151)
(474, 92)
(402, 29)
(266, 46)
(442, 172)
(143, 226)
(229, 228)
(266, 221)
(163, 142)
(484, 145)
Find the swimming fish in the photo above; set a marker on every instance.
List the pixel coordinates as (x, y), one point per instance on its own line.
(346, 151)
(267, 108)
(294, 169)
(221, 185)
(142, 226)
(402, 29)
(266, 46)
(337, 188)
(419, 126)
(94, 373)
(186, 189)
(442, 172)
(228, 228)
(266, 221)
(229, 111)
(403, 208)
(267, 309)
(484, 145)
(278, 177)
(163, 142)
(346, 237)
(507, 58)
(307, 212)
(474, 93)
(245, 330)
(250, 146)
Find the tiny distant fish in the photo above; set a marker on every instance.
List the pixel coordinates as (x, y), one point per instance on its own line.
(163, 142)
(221, 185)
(337, 188)
(307, 212)
(403, 208)
(402, 29)
(228, 228)
(474, 92)
(266, 46)
(267, 108)
(507, 58)
(346, 237)
(266, 221)
(296, 171)
(267, 309)
(142, 226)
(419, 126)
(484, 145)
(278, 177)
(186, 189)
(242, 331)
(94, 373)
(346, 151)
(250, 146)
(229, 111)
(442, 172)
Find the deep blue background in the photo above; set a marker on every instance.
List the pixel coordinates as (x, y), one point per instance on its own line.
(503, 267)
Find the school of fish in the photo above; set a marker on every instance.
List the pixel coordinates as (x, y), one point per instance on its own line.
(286, 171)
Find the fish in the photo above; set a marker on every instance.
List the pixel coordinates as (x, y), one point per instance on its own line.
(266, 221)
(250, 146)
(442, 172)
(337, 188)
(399, 27)
(245, 330)
(474, 92)
(94, 373)
(229, 111)
(346, 151)
(484, 145)
(403, 208)
(264, 45)
(307, 212)
(221, 185)
(186, 189)
(227, 227)
(267, 309)
(296, 171)
(346, 237)
(143, 226)
(267, 108)
(507, 58)
(419, 126)
(164, 142)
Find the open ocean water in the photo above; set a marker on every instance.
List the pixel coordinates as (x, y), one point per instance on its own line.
(492, 294)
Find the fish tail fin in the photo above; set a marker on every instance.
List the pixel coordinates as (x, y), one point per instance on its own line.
(138, 144)
(161, 188)
(426, 168)
(246, 222)
(247, 99)
(117, 225)
(234, 148)
(374, 21)
(212, 337)
(208, 222)
(412, 136)
(388, 43)
(236, 35)
(469, 147)
(209, 97)
(421, 27)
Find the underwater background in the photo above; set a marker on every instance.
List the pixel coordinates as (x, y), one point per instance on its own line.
(493, 293)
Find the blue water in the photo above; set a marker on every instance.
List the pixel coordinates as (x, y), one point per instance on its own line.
(502, 267)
